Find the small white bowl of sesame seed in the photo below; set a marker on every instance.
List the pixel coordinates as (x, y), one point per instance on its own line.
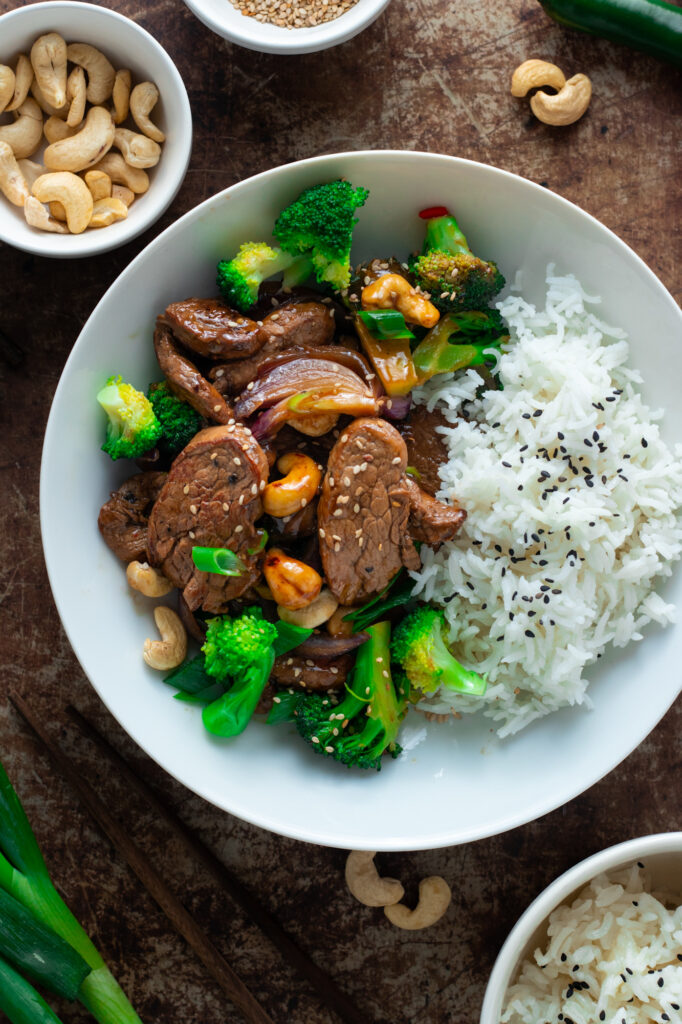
(287, 26)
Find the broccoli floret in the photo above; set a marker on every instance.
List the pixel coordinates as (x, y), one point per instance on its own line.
(179, 421)
(419, 646)
(447, 268)
(240, 649)
(319, 224)
(365, 724)
(240, 278)
(133, 429)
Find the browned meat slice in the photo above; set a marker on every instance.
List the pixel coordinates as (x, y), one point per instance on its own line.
(294, 527)
(232, 378)
(185, 380)
(123, 518)
(363, 512)
(304, 673)
(213, 330)
(432, 521)
(211, 499)
(426, 448)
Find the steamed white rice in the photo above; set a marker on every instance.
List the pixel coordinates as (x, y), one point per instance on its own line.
(613, 955)
(572, 499)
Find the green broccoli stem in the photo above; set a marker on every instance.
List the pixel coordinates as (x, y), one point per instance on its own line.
(230, 714)
(445, 235)
(455, 676)
(297, 272)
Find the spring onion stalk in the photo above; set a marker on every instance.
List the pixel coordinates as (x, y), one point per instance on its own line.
(218, 560)
(20, 1002)
(24, 875)
(385, 324)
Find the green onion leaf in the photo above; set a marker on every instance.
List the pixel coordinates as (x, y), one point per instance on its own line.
(20, 1001)
(262, 541)
(205, 696)
(289, 636)
(385, 324)
(190, 677)
(218, 560)
(375, 610)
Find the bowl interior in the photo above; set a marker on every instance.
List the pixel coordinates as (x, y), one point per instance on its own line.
(126, 45)
(455, 782)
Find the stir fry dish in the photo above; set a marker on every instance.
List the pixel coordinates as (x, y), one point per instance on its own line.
(285, 482)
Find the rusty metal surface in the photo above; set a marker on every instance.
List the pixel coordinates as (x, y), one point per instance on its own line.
(429, 74)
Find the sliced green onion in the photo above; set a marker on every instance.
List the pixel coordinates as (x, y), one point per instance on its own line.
(221, 561)
(296, 400)
(385, 324)
(414, 473)
(262, 541)
(20, 1001)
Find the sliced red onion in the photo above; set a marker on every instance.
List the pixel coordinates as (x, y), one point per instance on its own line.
(397, 407)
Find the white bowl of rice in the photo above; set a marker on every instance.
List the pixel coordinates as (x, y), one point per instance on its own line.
(603, 943)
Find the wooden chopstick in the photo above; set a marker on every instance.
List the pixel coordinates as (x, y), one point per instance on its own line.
(179, 916)
(324, 985)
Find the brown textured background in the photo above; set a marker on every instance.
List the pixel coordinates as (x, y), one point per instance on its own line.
(433, 75)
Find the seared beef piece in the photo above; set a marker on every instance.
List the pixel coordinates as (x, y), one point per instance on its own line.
(124, 517)
(363, 512)
(432, 521)
(293, 670)
(266, 700)
(232, 378)
(195, 627)
(213, 330)
(185, 380)
(323, 647)
(212, 498)
(426, 449)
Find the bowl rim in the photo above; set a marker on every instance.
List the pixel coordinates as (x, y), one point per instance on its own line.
(558, 892)
(42, 246)
(318, 834)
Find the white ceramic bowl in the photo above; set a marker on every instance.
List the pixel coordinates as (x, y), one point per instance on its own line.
(662, 856)
(222, 17)
(127, 46)
(453, 783)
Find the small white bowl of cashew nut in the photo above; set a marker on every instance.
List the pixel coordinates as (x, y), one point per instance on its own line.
(95, 129)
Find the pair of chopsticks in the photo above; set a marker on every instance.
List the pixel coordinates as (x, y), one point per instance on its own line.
(230, 982)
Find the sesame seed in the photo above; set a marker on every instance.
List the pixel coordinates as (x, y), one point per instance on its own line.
(321, 533)
(237, 461)
(338, 512)
(193, 509)
(185, 489)
(217, 408)
(214, 456)
(226, 507)
(254, 488)
(238, 528)
(192, 535)
(356, 508)
(397, 460)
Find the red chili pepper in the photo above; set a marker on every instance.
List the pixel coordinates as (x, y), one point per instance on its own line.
(434, 211)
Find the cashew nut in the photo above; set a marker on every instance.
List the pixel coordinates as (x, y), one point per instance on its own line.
(86, 147)
(365, 883)
(296, 489)
(106, 211)
(120, 173)
(75, 93)
(72, 192)
(99, 184)
(101, 73)
(392, 291)
(6, 86)
(313, 424)
(121, 96)
(30, 170)
(293, 584)
(171, 650)
(37, 216)
(567, 105)
(535, 73)
(143, 99)
(57, 211)
(44, 104)
(25, 134)
(336, 625)
(48, 57)
(434, 900)
(147, 580)
(138, 150)
(55, 129)
(126, 195)
(317, 612)
(12, 182)
(23, 76)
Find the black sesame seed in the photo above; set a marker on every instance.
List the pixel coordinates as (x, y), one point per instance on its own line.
(520, 487)
(635, 903)
(531, 614)
(507, 465)
(645, 443)
(628, 971)
(538, 412)
(602, 1015)
(530, 633)
(525, 416)
(560, 435)
(660, 983)
(587, 442)
(495, 426)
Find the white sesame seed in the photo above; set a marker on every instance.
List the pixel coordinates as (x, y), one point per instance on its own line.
(217, 408)
(254, 488)
(191, 535)
(331, 481)
(321, 532)
(250, 386)
(356, 507)
(238, 528)
(262, 485)
(337, 547)
(226, 507)
(385, 674)
(241, 499)
(276, 700)
(214, 456)
(338, 512)
(396, 461)
(315, 739)
(343, 499)
(185, 489)
(237, 461)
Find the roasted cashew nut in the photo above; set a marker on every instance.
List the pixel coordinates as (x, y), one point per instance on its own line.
(48, 57)
(138, 150)
(44, 104)
(107, 211)
(99, 184)
(100, 72)
(25, 134)
(121, 95)
(314, 424)
(126, 195)
(312, 616)
(72, 192)
(6, 85)
(86, 147)
(365, 883)
(121, 173)
(171, 650)
(392, 291)
(55, 129)
(23, 76)
(147, 580)
(434, 900)
(293, 584)
(30, 170)
(297, 487)
(533, 74)
(37, 216)
(75, 93)
(143, 99)
(13, 184)
(567, 106)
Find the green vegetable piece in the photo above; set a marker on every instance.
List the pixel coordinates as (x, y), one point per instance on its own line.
(205, 696)
(240, 277)
(289, 636)
(419, 646)
(133, 429)
(190, 677)
(480, 331)
(20, 1002)
(385, 324)
(179, 421)
(392, 596)
(284, 707)
(221, 561)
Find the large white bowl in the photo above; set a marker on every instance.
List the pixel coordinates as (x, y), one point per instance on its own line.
(662, 856)
(223, 18)
(453, 783)
(127, 45)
